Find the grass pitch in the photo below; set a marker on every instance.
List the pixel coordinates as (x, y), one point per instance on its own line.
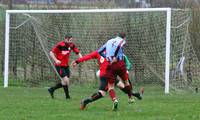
(20, 103)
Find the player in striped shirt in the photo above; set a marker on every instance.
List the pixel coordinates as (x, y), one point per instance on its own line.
(116, 67)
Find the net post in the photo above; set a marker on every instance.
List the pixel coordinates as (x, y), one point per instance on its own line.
(167, 56)
(6, 59)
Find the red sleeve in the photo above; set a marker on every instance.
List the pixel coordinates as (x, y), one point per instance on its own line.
(92, 55)
(55, 49)
(75, 49)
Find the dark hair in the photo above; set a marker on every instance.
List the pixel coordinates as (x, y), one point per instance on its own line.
(122, 34)
(68, 36)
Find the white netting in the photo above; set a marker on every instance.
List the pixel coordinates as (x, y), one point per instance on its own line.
(184, 62)
(33, 35)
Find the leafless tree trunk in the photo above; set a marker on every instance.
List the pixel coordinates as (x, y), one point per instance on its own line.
(10, 4)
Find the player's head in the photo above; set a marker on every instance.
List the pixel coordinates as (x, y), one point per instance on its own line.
(68, 38)
(122, 35)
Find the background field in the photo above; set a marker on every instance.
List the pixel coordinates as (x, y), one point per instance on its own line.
(19, 103)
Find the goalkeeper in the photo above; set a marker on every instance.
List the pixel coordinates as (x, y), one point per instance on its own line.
(60, 55)
(103, 82)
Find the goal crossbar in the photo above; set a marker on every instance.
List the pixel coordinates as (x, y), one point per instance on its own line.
(91, 10)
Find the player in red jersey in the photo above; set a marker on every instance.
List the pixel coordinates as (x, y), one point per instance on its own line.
(60, 55)
(103, 82)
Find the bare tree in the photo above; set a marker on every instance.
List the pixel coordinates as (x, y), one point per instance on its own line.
(10, 4)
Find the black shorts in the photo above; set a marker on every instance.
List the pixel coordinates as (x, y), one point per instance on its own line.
(103, 84)
(63, 71)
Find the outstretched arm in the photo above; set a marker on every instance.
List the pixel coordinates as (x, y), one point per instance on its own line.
(92, 55)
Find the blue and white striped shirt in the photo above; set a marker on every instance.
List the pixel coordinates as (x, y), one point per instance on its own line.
(113, 48)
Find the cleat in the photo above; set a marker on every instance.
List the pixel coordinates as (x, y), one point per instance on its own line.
(68, 97)
(115, 105)
(83, 105)
(50, 90)
(131, 100)
(138, 96)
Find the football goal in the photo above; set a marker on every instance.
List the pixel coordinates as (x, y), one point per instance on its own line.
(158, 44)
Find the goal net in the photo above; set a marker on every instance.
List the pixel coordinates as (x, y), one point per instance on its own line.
(33, 34)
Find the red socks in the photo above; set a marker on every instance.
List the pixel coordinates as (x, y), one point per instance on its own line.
(112, 94)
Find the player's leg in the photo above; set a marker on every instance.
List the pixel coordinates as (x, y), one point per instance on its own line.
(98, 74)
(65, 84)
(94, 97)
(58, 85)
(113, 96)
(124, 76)
(65, 81)
(135, 94)
(138, 95)
(52, 89)
(122, 87)
(101, 93)
(111, 77)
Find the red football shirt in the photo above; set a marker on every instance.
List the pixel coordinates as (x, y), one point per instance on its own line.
(62, 52)
(101, 61)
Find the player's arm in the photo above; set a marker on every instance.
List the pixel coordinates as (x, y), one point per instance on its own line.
(53, 56)
(76, 50)
(92, 55)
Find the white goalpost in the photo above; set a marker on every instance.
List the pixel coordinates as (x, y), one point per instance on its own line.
(42, 31)
(6, 59)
